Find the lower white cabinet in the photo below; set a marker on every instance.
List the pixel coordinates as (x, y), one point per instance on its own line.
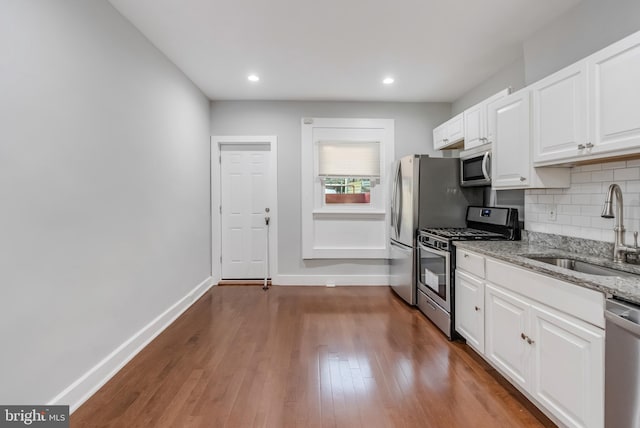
(469, 303)
(506, 321)
(544, 335)
(568, 366)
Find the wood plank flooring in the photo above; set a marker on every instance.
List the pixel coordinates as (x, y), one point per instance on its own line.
(306, 357)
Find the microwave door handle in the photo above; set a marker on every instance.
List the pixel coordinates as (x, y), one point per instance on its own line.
(485, 161)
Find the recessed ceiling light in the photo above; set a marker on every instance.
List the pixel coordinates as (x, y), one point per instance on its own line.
(253, 78)
(388, 80)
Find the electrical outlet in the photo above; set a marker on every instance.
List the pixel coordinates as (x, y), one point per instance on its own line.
(552, 212)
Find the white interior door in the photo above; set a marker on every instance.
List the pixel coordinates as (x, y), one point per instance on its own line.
(245, 195)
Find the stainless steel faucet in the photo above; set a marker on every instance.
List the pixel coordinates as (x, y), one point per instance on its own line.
(620, 250)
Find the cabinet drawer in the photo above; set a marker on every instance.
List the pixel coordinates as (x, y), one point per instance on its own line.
(571, 299)
(470, 262)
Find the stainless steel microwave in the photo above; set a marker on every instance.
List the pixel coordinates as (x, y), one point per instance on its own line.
(475, 169)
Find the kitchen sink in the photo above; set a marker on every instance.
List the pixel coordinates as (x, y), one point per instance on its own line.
(583, 267)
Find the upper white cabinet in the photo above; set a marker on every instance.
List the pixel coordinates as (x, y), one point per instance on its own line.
(450, 134)
(614, 95)
(560, 115)
(589, 110)
(476, 131)
(509, 122)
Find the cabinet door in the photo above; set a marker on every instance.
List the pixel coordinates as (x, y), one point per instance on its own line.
(473, 132)
(569, 367)
(488, 134)
(438, 137)
(469, 313)
(509, 122)
(455, 129)
(615, 96)
(560, 115)
(505, 326)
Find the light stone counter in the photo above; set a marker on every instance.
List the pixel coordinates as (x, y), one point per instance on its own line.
(540, 245)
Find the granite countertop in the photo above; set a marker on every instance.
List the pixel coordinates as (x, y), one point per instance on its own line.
(515, 252)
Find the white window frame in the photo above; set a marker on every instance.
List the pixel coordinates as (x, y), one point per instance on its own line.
(314, 207)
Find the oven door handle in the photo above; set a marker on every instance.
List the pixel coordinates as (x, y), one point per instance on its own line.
(433, 250)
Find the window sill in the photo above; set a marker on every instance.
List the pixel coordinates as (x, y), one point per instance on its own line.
(360, 213)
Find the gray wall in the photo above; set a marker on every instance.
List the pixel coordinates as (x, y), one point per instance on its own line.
(510, 76)
(579, 32)
(414, 123)
(104, 172)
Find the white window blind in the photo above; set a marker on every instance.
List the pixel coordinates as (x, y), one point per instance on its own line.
(349, 158)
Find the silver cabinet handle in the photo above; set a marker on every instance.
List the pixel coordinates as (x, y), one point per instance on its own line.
(477, 308)
(529, 341)
(523, 336)
(523, 179)
(581, 146)
(589, 145)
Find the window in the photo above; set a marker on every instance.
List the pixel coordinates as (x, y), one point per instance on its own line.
(347, 190)
(346, 169)
(345, 175)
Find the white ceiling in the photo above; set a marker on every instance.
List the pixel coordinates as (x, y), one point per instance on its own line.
(340, 49)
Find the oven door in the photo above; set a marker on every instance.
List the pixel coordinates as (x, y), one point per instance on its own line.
(434, 275)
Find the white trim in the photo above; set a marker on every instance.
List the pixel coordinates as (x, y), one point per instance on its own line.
(313, 210)
(90, 382)
(216, 232)
(323, 280)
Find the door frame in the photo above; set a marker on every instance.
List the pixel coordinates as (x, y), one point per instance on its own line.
(216, 191)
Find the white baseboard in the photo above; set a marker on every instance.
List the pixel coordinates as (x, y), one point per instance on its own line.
(89, 383)
(337, 280)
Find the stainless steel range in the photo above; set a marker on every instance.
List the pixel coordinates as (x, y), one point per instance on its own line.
(436, 258)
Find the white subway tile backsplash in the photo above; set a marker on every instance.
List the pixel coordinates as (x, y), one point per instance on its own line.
(600, 176)
(579, 207)
(545, 199)
(633, 186)
(562, 199)
(569, 209)
(584, 199)
(585, 168)
(624, 174)
(582, 188)
(581, 177)
(614, 165)
(578, 220)
(602, 223)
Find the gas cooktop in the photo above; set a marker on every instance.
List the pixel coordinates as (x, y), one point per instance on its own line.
(462, 233)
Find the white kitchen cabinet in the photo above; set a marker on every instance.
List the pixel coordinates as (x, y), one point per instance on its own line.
(509, 122)
(506, 320)
(559, 104)
(589, 110)
(438, 136)
(544, 335)
(476, 131)
(614, 96)
(450, 134)
(469, 309)
(568, 356)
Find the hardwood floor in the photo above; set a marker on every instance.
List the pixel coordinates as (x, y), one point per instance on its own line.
(305, 357)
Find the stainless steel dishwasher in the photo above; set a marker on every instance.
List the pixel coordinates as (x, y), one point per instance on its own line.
(622, 365)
